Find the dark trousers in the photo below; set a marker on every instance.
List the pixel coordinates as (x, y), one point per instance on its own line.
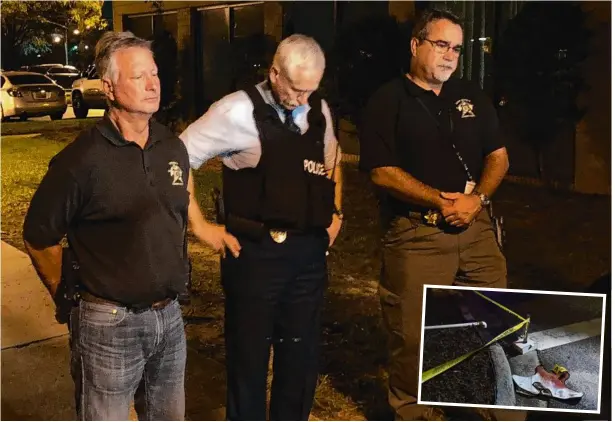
(274, 294)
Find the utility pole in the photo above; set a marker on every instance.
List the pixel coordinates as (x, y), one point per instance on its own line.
(66, 44)
(65, 27)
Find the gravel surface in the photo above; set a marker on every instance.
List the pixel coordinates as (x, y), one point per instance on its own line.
(471, 381)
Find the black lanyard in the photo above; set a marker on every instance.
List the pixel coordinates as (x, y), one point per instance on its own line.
(450, 120)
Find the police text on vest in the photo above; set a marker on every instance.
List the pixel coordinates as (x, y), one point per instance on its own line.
(313, 167)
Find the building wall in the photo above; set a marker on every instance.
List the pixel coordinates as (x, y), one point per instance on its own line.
(402, 10)
(187, 35)
(593, 139)
(122, 8)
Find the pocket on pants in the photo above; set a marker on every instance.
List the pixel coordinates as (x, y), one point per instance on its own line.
(101, 315)
(392, 315)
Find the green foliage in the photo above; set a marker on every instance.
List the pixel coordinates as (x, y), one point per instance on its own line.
(27, 25)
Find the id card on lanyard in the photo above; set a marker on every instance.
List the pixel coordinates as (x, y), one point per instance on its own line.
(470, 186)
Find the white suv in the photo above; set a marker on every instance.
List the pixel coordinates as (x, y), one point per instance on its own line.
(87, 93)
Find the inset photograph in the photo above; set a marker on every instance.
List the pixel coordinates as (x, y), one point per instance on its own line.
(514, 349)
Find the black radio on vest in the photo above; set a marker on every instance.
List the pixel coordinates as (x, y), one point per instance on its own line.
(289, 188)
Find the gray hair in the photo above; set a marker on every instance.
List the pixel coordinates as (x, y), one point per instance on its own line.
(432, 15)
(110, 43)
(299, 51)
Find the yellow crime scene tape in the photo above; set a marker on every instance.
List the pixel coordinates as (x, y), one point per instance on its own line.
(434, 372)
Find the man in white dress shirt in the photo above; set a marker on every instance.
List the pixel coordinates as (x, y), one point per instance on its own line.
(282, 210)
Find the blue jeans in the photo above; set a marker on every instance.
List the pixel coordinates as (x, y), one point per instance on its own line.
(118, 355)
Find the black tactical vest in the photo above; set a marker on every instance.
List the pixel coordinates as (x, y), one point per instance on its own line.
(289, 188)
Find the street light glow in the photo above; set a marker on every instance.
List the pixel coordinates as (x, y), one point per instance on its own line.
(57, 38)
(87, 47)
(76, 32)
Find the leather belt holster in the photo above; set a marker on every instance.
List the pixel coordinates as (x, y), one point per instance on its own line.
(161, 304)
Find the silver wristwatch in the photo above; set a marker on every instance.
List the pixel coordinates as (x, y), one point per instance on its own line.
(484, 199)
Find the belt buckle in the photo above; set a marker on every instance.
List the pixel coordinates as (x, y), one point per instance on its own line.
(278, 236)
(432, 218)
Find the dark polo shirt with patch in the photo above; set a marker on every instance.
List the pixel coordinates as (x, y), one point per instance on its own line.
(124, 210)
(397, 131)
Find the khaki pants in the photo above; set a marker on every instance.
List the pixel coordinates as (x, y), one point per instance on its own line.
(415, 254)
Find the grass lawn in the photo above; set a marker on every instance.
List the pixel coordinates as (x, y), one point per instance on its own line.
(557, 241)
(35, 126)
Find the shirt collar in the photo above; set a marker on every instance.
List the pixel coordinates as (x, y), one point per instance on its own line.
(110, 132)
(267, 93)
(413, 90)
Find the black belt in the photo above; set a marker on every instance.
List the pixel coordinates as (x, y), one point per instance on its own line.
(279, 235)
(161, 304)
(257, 230)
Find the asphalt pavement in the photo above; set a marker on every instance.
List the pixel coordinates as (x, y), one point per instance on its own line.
(567, 331)
(70, 115)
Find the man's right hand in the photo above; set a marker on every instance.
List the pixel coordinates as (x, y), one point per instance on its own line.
(216, 237)
(445, 206)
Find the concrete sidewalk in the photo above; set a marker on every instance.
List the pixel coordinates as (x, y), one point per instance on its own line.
(36, 383)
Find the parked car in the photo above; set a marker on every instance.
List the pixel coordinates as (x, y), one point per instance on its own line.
(41, 68)
(64, 76)
(87, 93)
(29, 94)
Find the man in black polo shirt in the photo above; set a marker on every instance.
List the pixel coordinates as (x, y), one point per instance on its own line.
(119, 192)
(431, 147)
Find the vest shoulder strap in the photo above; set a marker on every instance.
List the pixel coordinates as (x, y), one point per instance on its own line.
(262, 110)
(315, 102)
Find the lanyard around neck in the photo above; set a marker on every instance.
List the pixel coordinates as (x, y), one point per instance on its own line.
(450, 136)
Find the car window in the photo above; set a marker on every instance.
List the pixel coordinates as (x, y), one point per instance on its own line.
(29, 79)
(43, 68)
(56, 70)
(93, 74)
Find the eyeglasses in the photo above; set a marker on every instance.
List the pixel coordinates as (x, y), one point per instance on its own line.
(443, 47)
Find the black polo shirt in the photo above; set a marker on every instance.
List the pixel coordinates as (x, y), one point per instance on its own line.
(397, 131)
(124, 210)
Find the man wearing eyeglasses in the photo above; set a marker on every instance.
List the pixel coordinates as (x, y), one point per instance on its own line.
(282, 201)
(430, 144)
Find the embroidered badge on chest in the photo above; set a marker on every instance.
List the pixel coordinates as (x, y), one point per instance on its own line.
(466, 108)
(176, 173)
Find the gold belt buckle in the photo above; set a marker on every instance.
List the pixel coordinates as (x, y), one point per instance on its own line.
(432, 218)
(278, 236)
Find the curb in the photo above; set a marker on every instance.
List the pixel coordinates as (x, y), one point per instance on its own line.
(504, 388)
